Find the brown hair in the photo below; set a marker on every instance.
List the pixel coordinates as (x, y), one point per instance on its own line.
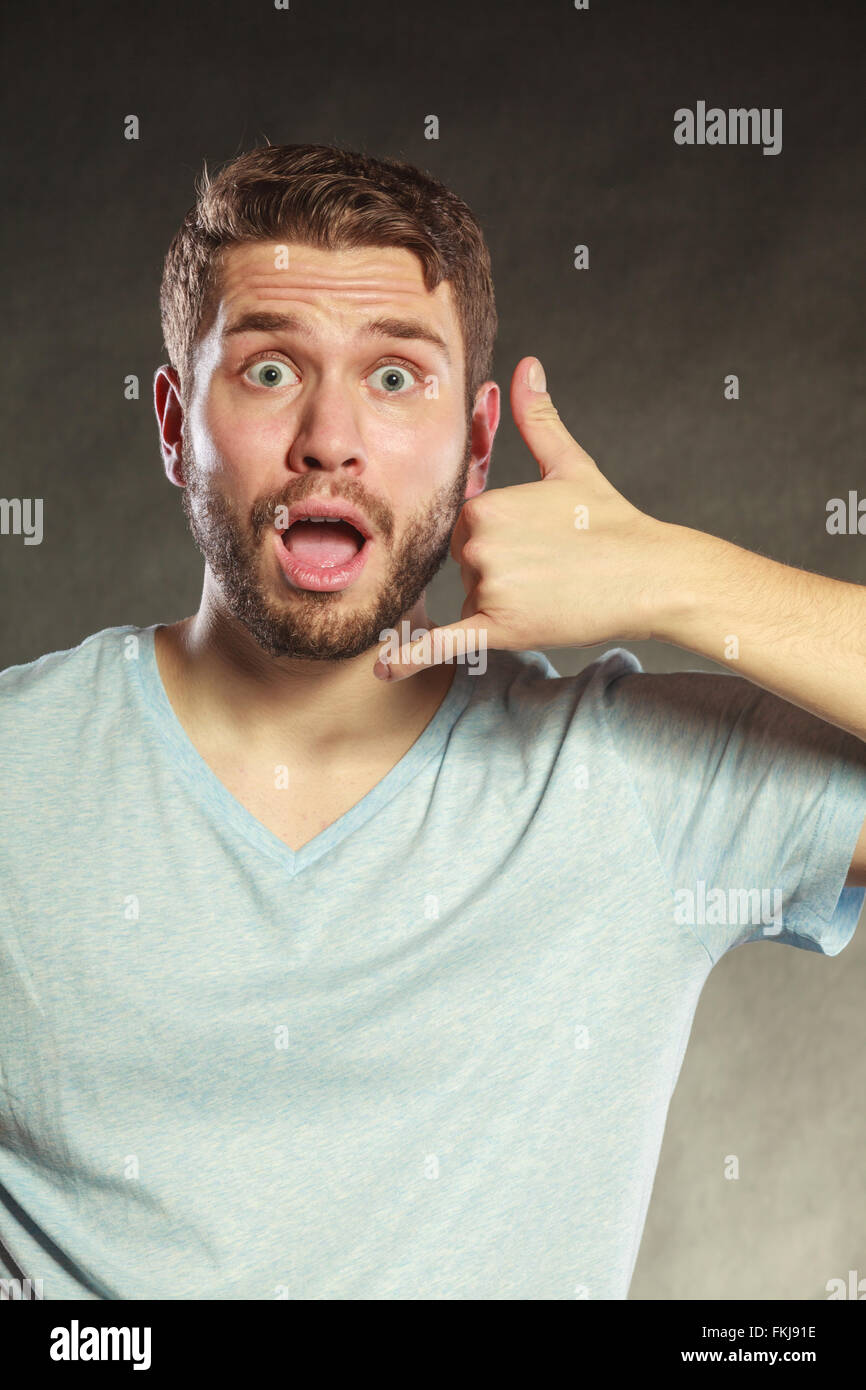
(329, 198)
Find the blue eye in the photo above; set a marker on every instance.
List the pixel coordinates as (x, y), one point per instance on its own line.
(269, 371)
(393, 378)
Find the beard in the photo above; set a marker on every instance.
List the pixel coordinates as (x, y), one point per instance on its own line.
(303, 623)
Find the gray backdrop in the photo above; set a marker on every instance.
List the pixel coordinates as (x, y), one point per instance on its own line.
(556, 125)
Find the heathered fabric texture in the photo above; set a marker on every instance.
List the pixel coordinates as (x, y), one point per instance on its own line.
(431, 1054)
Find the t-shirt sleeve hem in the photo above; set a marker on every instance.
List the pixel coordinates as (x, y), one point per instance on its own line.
(823, 910)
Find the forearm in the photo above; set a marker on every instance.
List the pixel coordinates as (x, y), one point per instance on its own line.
(800, 635)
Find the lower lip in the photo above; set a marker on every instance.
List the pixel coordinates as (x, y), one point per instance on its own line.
(322, 578)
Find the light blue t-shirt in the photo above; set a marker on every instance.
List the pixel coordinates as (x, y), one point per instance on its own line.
(429, 1055)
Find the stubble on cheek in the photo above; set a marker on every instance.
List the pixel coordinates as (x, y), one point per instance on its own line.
(302, 623)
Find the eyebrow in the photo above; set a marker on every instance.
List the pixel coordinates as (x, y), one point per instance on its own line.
(257, 321)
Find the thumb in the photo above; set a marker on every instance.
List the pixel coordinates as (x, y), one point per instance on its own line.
(558, 454)
(438, 645)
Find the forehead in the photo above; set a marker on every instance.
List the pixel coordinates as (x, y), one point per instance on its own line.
(345, 284)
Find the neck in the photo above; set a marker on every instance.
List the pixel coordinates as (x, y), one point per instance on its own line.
(219, 680)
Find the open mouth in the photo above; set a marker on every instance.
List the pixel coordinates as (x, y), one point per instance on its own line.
(323, 542)
(322, 553)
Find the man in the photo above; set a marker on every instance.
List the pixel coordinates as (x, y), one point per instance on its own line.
(332, 977)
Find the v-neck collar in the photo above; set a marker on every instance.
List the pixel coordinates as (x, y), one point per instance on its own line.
(188, 762)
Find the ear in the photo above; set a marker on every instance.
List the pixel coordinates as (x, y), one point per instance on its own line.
(483, 427)
(169, 415)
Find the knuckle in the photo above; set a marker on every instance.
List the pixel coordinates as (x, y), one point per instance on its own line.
(471, 511)
(543, 411)
(472, 552)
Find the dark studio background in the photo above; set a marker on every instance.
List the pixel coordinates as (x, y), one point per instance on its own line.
(556, 126)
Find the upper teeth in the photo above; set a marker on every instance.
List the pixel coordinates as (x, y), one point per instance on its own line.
(322, 518)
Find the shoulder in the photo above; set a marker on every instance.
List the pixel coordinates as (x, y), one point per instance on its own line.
(649, 717)
(524, 688)
(60, 690)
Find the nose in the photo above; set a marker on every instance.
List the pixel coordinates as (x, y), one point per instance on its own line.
(327, 438)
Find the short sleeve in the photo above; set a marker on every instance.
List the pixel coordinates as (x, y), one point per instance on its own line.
(755, 806)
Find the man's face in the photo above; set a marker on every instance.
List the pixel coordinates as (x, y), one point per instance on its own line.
(327, 407)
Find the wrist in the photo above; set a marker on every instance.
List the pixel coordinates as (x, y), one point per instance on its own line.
(673, 594)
